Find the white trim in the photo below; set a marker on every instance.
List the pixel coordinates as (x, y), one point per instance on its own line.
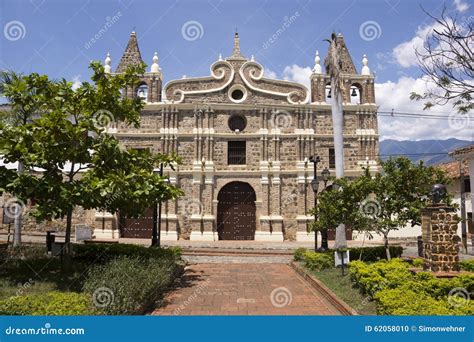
(237, 87)
(220, 76)
(260, 76)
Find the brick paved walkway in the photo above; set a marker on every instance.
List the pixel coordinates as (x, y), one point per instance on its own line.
(244, 289)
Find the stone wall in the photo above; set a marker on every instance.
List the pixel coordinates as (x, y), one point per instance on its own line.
(440, 242)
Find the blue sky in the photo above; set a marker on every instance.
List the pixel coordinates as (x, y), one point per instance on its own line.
(52, 37)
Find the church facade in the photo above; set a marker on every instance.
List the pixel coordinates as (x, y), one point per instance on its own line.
(245, 142)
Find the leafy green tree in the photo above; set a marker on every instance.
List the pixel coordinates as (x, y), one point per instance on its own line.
(71, 159)
(398, 194)
(23, 106)
(381, 203)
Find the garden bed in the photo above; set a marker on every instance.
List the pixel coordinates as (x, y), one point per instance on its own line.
(390, 288)
(104, 279)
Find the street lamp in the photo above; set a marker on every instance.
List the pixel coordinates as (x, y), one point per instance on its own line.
(314, 184)
(324, 233)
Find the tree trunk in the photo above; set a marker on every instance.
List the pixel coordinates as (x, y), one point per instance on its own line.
(67, 251)
(387, 249)
(338, 127)
(18, 216)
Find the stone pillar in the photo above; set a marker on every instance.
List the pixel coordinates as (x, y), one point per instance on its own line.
(440, 242)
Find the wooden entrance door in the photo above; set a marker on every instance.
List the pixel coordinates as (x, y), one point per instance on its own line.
(140, 227)
(236, 212)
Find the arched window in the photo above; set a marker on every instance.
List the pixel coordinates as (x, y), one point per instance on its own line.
(142, 92)
(327, 93)
(356, 93)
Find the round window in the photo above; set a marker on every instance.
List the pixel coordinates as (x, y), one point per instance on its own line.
(237, 94)
(237, 122)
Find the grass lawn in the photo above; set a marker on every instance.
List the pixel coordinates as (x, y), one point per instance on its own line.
(342, 287)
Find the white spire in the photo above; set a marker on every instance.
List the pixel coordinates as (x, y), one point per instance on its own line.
(220, 56)
(155, 67)
(107, 67)
(317, 64)
(365, 66)
(252, 58)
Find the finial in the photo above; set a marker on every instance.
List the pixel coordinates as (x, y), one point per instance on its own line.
(317, 64)
(339, 34)
(365, 66)
(107, 67)
(236, 50)
(252, 58)
(220, 56)
(155, 67)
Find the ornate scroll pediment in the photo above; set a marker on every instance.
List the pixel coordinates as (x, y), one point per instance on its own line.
(224, 77)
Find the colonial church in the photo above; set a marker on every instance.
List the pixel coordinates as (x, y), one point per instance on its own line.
(245, 142)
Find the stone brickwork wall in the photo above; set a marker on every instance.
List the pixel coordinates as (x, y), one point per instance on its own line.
(440, 241)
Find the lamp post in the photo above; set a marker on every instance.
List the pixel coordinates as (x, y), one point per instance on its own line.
(156, 232)
(315, 185)
(324, 233)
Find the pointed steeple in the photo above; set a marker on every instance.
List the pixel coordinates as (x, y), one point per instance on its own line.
(132, 55)
(317, 63)
(347, 66)
(236, 50)
(365, 66)
(107, 61)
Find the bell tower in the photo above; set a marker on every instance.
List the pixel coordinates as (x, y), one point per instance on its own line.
(355, 84)
(150, 86)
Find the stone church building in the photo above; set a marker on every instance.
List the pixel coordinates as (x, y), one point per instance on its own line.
(245, 142)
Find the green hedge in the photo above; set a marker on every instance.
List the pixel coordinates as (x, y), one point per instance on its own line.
(49, 303)
(317, 261)
(397, 291)
(130, 285)
(367, 254)
(103, 252)
(467, 265)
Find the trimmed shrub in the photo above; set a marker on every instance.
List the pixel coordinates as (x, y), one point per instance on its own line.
(103, 252)
(407, 302)
(397, 291)
(130, 285)
(371, 278)
(49, 303)
(317, 261)
(418, 262)
(467, 265)
(299, 254)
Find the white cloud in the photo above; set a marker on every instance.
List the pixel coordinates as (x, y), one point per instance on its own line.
(461, 6)
(396, 95)
(76, 82)
(404, 53)
(270, 73)
(298, 74)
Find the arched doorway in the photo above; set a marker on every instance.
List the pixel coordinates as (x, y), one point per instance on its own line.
(236, 212)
